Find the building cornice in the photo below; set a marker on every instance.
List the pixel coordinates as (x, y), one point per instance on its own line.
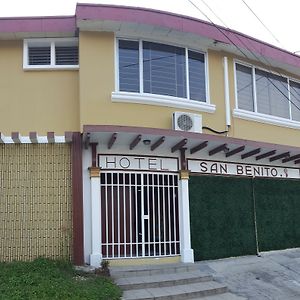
(20, 27)
(222, 38)
(220, 35)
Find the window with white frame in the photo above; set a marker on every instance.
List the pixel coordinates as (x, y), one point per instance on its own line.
(50, 53)
(154, 68)
(263, 92)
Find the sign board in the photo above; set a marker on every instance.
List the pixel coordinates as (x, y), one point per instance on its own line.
(138, 163)
(241, 169)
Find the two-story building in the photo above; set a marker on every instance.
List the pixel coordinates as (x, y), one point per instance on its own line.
(138, 135)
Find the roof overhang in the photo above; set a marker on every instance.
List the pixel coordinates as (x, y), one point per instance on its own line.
(196, 145)
(137, 22)
(37, 27)
(166, 26)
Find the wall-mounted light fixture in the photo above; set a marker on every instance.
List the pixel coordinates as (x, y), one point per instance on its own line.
(147, 142)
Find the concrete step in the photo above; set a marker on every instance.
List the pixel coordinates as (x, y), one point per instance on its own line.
(162, 280)
(148, 270)
(225, 296)
(184, 291)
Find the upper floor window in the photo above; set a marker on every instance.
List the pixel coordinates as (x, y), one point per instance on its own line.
(267, 93)
(154, 68)
(50, 53)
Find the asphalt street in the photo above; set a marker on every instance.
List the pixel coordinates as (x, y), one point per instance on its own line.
(274, 275)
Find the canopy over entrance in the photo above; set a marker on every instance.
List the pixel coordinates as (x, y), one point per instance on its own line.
(195, 144)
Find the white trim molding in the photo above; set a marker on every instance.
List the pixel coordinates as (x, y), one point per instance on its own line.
(263, 118)
(49, 68)
(160, 100)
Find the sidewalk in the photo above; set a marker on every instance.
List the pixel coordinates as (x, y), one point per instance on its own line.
(274, 275)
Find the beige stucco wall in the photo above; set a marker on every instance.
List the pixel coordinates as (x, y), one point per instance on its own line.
(66, 100)
(97, 81)
(35, 100)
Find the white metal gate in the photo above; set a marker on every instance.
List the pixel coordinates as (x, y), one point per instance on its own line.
(139, 214)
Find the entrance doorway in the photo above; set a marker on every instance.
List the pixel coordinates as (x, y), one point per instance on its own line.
(139, 213)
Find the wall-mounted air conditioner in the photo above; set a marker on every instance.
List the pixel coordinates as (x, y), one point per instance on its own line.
(187, 122)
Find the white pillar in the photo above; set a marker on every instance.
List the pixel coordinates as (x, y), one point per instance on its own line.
(187, 253)
(96, 255)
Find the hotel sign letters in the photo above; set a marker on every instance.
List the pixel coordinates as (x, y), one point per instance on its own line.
(143, 163)
(241, 169)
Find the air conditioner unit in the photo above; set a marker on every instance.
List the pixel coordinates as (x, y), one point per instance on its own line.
(187, 122)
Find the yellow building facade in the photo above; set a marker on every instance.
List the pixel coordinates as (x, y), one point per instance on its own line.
(161, 113)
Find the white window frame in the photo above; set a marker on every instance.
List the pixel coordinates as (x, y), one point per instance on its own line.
(260, 117)
(47, 42)
(156, 99)
(296, 81)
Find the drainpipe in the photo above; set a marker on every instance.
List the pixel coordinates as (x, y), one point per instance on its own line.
(226, 92)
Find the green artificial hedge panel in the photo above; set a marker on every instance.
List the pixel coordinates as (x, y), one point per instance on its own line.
(222, 219)
(278, 213)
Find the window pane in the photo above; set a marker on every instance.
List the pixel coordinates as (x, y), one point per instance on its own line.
(66, 55)
(39, 55)
(272, 94)
(295, 100)
(129, 66)
(164, 70)
(244, 88)
(197, 76)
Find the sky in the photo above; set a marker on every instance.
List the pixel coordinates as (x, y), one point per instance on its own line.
(280, 17)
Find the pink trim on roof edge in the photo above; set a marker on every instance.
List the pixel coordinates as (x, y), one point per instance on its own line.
(150, 17)
(38, 24)
(184, 24)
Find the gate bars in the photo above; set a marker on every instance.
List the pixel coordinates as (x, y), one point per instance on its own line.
(139, 215)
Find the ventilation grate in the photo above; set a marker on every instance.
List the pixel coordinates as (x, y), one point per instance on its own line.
(39, 55)
(66, 55)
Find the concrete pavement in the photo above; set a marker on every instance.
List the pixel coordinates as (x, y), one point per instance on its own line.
(275, 275)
